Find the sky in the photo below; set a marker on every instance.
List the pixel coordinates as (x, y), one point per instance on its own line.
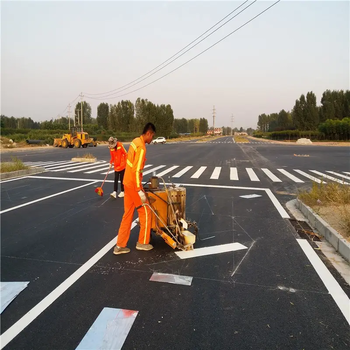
(53, 51)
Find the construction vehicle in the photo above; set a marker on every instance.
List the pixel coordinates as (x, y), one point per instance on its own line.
(168, 207)
(75, 139)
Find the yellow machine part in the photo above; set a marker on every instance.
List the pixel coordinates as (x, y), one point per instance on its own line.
(158, 201)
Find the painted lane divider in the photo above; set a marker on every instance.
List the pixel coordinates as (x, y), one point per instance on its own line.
(216, 249)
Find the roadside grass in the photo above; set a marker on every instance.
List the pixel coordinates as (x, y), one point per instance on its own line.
(332, 202)
(240, 138)
(16, 164)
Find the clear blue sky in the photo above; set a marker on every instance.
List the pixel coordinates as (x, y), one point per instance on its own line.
(51, 51)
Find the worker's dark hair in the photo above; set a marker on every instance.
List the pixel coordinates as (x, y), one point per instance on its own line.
(149, 127)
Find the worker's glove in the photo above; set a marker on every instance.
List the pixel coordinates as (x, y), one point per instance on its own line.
(110, 166)
(142, 196)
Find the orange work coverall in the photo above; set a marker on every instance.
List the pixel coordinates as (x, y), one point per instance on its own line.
(132, 185)
(118, 157)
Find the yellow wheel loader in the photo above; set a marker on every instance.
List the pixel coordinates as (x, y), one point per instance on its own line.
(75, 139)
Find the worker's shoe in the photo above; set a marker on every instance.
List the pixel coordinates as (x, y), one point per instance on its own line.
(120, 250)
(140, 246)
(121, 194)
(114, 194)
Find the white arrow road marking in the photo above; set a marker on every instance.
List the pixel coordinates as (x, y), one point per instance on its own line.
(9, 291)
(216, 249)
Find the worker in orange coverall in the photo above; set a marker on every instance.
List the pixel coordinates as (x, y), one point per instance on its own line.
(118, 158)
(135, 196)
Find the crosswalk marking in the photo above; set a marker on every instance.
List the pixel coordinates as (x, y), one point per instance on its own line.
(315, 179)
(291, 176)
(102, 168)
(272, 176)
(167, 171)
(183, 171)
(252, 175)
(57, 164)
(85, 167)
(329, 177)
(345, 172)
(199, 172)
(69, 167)
(233, 174)
(62, 167)
(153, 169)
(216, 173)
(337, 174)
(112, 170)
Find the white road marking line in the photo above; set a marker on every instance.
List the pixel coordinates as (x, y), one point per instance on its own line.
(44, 198)
(345, 172)
(274, 200)
(272, 176)
(167, 171)
(199, 172)
(62, 166)
(183, 171)
(85, 167)
(32, 314)
(53, 164)
(109, 330)
(170, 278)
(249, 196)
(68, 167)
(112, 170)
(38, 163)
(153, 169)
(233, 174)
(102, 168)
(291, 176)
(216, 173)
(216, 249)
(329, 177)
(315, 179)
(277, 204)
(252, 174)
(340, 175)
(16, 179)
(333, 287)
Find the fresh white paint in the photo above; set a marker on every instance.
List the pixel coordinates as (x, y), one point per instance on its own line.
(153, 169)
(277, 204)
(183, 171)
(313, 178)
(291, 176)
(271, 175)
(329, 177)
(252, 175)
(199, 172)
(340, 175)
(167, 171)
(216, 173)
(233, 174)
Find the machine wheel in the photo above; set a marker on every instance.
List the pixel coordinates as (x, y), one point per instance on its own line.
(85, 145)
(95, 144)
(64, 143)
(77, 143)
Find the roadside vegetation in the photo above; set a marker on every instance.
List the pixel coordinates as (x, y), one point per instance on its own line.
(332, 202)
(14, 165)
(241, 139)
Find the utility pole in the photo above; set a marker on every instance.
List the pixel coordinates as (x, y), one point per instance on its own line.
(213, 120)
(69, 117)
(232, 125)
(81, 111)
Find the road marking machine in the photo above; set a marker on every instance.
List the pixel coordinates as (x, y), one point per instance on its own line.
(168, 206)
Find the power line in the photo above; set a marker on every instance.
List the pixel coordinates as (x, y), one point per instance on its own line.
(163, 76)
(154, 70)
(68, 106)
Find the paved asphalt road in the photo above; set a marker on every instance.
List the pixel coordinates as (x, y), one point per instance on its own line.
(269, 295)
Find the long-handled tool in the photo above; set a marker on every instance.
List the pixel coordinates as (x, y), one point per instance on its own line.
(99, 190)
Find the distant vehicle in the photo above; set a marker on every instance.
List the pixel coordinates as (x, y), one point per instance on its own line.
(159, 140)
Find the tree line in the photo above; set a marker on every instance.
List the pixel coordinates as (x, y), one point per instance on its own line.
(190, 126)
(307, 116)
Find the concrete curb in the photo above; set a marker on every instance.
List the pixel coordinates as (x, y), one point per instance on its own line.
(340, 244)
(20, 173)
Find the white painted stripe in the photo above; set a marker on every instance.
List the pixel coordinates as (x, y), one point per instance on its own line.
(216, 173)
(345, 172)
(85, 167)
(50, 164)
(153, 169)
(216, 249)
(329, 177)
(68, 167)
(16, 179)
(183, 171)
(170, 278)
(167, 171)
(277, 204)
(340, 175)
(252, 174)
(291, 176)
(32, 314)
(272, 176)
(333, 287)
(112, 171)
(102, 168)
(315, 179)
(38, 163)
(233, 174)
(199, 172)
(63, 166)
(44, 198)
(109, 330)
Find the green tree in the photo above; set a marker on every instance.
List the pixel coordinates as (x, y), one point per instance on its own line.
(86, 113)
(102, 115)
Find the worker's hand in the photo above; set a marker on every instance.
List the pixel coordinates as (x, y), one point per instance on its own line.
(110, 166)
(142, 196)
